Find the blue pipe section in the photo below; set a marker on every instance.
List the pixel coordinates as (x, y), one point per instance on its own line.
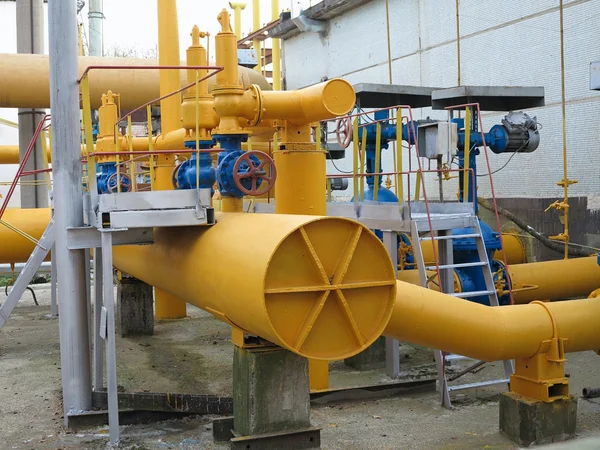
(232, 150)
(184, 177)
(106, 179)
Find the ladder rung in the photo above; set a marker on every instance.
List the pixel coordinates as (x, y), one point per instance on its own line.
(478, 384)
(472, 294)
(451, 236)
(457, 266)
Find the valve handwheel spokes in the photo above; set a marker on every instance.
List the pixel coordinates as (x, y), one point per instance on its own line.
(124, 179)
(343, 131)
(254, 173)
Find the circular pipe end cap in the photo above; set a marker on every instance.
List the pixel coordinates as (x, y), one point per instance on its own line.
(338, 97)
(329, 289)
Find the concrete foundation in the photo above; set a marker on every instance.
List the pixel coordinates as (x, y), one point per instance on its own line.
(135, 314)
(371, 358)
(528, 421)
(270, 391)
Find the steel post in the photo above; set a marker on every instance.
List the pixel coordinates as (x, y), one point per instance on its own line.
(392, 346)
(68, 207)
(98, 341)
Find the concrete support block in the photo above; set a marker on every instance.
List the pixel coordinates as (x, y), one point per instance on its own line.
(270, 391)
(527, 421)
(135, 315)
(371, 358)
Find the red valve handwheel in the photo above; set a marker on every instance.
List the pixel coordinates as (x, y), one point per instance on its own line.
(343, 131)
(124, 180)
(254, 167)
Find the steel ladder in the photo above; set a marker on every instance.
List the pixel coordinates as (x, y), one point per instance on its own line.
(440, 227)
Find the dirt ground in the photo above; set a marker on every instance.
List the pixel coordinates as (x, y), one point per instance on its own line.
(194, 356)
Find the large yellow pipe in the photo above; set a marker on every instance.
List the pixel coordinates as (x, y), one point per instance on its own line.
(166, 306)
(15, 248)
(24, 80)
(269, 284)
(9, 154)
(548, 280)
(435, 320)
(554, 280)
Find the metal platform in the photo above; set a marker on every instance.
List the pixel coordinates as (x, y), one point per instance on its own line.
(490, 98)
(176, 208)
(375, 95)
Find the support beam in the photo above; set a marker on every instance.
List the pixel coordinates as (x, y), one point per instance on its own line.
(68, 208)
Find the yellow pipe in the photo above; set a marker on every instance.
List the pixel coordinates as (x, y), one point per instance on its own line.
(549, 280)
(275, 49)
(256, 27)
(555, 280)
(26, 84)
(237, 17)
(467, 152)
(166, 305)
(9, 154)
(435, 320)
(286, 295)
(17, 248)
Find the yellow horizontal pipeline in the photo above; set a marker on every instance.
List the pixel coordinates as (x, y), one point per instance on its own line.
(24, 80)
(9, 154)
(15, 248)
(268, 284)
(439, 321)
(554, 280)
(329, 99)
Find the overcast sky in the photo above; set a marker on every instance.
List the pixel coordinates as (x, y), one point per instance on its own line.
(133, 23)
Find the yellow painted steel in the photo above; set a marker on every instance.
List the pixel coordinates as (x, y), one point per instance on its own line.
(256, 27)
(436, 320)
(166, 305)
(197, 104)
(554, 280)
(467, 152)
(516, 252)
(109, 139)
(15, 247)
(9, 154)
(377, 160)
(321, 287)
(312, 104)
(26, 84)
(276, 49)
(237, 17)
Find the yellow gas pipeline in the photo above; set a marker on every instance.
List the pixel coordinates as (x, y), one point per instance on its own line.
(24, 80)
(320, 287)
(554, 280)
(16, 248)
(435, 320)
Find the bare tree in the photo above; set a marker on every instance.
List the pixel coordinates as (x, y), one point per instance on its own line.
(132, 51)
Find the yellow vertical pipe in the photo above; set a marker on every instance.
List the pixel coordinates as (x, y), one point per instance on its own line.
(166, 305)
(399, 179)
(565, 180)
(377, 161)
(467, 153)
(255, 27)
(237, 17)
(362, 165)
(355, 159)
(276, 50)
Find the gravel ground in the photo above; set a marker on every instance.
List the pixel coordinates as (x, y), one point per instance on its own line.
(194, 356)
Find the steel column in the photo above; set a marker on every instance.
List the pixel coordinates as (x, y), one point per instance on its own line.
(392, 346)
(68, 207)
(98, 304)
(111, 350)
